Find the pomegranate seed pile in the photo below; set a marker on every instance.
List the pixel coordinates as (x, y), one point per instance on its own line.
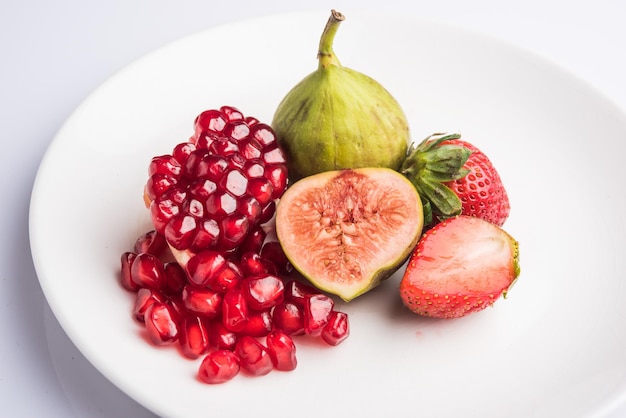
(208, 277)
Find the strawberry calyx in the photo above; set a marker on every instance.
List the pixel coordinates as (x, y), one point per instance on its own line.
(428, 166)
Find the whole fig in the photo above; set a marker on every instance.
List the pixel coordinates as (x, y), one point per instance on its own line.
(338, 118)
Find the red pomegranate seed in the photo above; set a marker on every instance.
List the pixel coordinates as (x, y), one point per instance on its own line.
(259, 324)
(164, 164)
(175, 278)
(262, 292)
(289, 318)
(273, 251)
(180, 231)
(234, 230)
(209, 120)
(161, 322)
(297, 292)
(252, 264)
(337, 329)
(126, 277)
(227, 278)
(193, 336)
(253, 241)
(282, 350)
(202, 301)
(262, 190)
(220, 336)
(147, 271)
(234, 310)
(203, 267)
(143, 300)
(317, 309)
(219, 366)
(151, 242)
(253, 356)
(181, 152)
(231, 113)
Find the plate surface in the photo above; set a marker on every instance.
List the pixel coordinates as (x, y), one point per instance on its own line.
(555, 347)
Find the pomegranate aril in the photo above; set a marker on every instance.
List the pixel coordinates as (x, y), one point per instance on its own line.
(268, 212)
(262, 189)
(252, 264)
(262, 292)
(317, 310)
(234, 310)
(164, 164)
(253, 242)
(221, 337)
(234, 230)
(161, 321)
(282, 350)
(253, 356)
(277, 175)
(259, 324)
(219, 366)
(273, 251)
(202, 301)
(250, 208)
(221, 204)
(151, 242)
(227, 278)
(263, 134)
(209, 120)
(289, 318)
(126, 260)
(207, 235)
(223, 147)
(180, 231)
(143, 300)
(337, 329)
(158, 184)
(193, 336)
(236, 129)
(297, 292)
(204, 266)
(147, 271)
(182, 151)
(175, 278)
(231, 113)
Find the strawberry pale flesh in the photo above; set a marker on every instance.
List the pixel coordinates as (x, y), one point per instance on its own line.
(347, 230)
(470, 257)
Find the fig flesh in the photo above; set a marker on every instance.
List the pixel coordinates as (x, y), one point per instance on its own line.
(348, 230)
(339, 118)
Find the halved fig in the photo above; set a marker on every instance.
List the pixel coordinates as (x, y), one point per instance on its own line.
(347, 230)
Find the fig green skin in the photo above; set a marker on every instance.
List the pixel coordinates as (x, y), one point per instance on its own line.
(338, 118)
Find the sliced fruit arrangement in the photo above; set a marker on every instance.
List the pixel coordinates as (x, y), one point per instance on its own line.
(461, 265)
(454, 177)
(348, 230)
(256, 227)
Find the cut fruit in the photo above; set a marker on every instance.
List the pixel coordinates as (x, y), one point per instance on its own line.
(347, 230)
(462, 265)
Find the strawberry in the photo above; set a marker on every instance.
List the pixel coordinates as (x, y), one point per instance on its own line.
(461, 265)
(454, 177)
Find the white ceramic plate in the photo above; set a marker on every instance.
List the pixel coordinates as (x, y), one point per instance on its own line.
(555, 347)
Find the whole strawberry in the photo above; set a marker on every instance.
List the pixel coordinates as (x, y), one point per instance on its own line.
(453, 177)
(461, 265)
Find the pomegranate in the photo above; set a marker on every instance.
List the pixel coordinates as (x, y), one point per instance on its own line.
(208, 278)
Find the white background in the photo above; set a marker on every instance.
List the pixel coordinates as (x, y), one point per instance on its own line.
(54, 53)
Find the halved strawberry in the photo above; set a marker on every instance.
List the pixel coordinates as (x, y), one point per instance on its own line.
(461, 265)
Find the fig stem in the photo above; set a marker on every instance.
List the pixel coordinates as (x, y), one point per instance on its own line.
(325, 54)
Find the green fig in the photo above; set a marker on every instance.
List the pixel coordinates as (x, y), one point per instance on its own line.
(338, 118)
